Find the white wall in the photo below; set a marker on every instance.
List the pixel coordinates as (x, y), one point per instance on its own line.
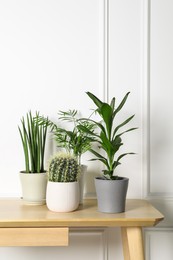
(49, 59)
(51, 53)
(158, 52)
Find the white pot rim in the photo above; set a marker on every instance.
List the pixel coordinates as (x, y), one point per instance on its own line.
(64, 183)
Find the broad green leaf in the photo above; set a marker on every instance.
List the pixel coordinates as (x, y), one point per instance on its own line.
(106, 113)
(122, 155)
(131, 129)
(121, 104)
(116, 146)
(112, 104)
(115, 164)
(122, 124)
(100, 157)
(106, 145)
(96, 100)
(97, 154)
(105, 140)
(101, 160)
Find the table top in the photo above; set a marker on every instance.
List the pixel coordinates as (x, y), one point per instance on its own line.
(14, 213)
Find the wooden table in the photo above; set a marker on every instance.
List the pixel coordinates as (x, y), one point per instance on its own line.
(23, 225)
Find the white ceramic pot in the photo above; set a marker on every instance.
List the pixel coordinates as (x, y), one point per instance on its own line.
(62, 196)
(83, 170)
(33, 187)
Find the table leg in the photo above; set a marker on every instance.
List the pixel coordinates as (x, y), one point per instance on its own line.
(132, 243)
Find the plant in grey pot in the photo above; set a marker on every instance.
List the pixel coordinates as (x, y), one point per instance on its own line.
(73, 140)
(110, 188)
(33, 178)
(63, 188)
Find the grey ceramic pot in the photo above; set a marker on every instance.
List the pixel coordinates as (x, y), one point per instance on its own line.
(111, 194)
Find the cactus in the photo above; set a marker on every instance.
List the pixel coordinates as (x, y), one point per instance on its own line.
(63, 168)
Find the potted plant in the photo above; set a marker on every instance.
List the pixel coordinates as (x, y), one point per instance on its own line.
(63, 187)
(33, 178)
(110, 188)
(74, 141)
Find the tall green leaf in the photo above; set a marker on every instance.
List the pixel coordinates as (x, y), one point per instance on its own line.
(107, 112)
(96, 100)
(121, 104)
(122, 124)
(33, 139)
(112, 104)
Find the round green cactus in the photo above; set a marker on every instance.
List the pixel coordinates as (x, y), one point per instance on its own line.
(63, 168)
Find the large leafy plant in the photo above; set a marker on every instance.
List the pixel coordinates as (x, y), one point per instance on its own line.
(33, 137)
(74, 141)
(109, 138)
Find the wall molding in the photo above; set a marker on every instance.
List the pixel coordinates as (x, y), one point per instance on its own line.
(145, 85)
(104, 49)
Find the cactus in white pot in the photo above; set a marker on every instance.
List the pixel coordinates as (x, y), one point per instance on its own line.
(72, 139)
(63, 168)
(63, 187)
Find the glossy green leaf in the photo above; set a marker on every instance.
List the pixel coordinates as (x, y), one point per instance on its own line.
(107, 112)
(122, 124)
(121, 104)
(112, 104)
(96, 100)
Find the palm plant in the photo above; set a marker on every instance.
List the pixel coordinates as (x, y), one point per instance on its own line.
(109, 139)
(74, 141)
(33, 137)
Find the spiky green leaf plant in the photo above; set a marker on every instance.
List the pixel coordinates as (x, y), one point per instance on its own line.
(33, 137)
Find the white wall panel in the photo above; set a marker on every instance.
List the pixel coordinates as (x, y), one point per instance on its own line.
(159, 244)
(157, 130)
(161, 105)
(49, 58)
(125, 75)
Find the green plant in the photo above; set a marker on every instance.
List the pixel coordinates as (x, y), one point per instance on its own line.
(33, 137)
(108, 138)
(74, 141)
(63, 167)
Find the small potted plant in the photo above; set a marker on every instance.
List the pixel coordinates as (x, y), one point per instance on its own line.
(63, 187)
(110, 188)
(74, 141)
(33, 178)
